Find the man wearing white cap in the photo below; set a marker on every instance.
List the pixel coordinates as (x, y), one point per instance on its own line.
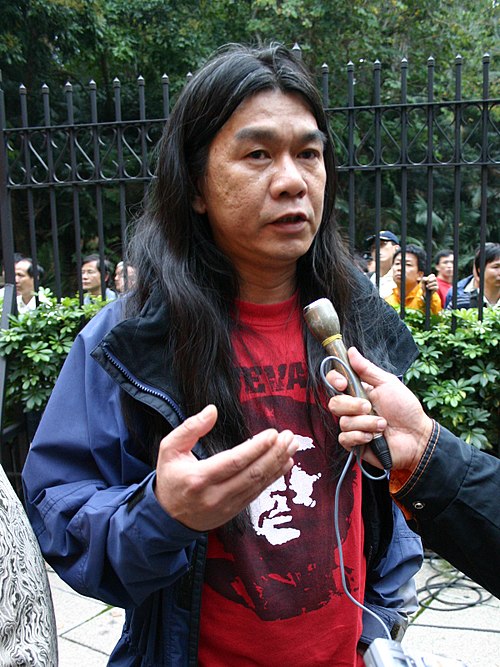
(389, 243)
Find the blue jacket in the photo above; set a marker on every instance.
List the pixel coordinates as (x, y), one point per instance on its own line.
(89, 491)
(464, 299)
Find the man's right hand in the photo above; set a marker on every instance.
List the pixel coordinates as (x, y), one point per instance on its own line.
(206, 494)
(400, 416)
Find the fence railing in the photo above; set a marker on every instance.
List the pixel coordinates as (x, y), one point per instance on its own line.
(70, 182)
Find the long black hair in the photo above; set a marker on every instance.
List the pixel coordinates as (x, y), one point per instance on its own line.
(174, 252)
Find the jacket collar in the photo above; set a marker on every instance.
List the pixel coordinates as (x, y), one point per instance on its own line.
(137, 350)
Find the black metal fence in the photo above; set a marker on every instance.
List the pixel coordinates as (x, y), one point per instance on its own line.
(70, 182)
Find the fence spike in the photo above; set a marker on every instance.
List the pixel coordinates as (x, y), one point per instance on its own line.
(68, 87)
(486, 58)
(430, 61)
(325, 68)
(92, 84)
(22, 89)
(116, 82)
(45, 88)
(164, 78)
(140, 80)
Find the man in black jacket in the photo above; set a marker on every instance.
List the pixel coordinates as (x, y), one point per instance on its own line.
(447, 489)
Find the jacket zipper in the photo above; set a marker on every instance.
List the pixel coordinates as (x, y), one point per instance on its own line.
(140, 385)
(193, 631)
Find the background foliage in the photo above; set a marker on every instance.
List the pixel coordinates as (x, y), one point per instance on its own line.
(52, 41)
(457, 373)
(36, 345)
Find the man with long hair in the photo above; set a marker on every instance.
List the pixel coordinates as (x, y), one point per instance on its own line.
(192, 479)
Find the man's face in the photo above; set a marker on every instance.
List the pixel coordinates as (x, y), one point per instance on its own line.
(492, 275)
(412, 275)
(387, 250)
(264, 185)
(444, 268)
(120, 278)
(91, 278)
(25, 284)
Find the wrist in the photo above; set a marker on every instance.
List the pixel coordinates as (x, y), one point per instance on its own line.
(422, 436)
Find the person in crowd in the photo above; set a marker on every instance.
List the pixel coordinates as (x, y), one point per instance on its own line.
(28, 633)
(195, 421)
(448, 489)
(124, 280)
(468, 288)
(416, 284)
(444, 273)
(361, 261)
(91, 278)
(389, 246)
(389, 243)
(25, 284)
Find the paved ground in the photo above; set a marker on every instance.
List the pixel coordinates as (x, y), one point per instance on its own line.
(458, 620)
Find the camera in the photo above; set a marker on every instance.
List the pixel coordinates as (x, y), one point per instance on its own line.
(388, 653)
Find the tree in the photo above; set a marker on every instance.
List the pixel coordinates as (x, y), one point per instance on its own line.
(55, 41)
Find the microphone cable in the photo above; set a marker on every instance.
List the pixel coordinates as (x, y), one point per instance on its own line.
(448, 579)
(336, 504)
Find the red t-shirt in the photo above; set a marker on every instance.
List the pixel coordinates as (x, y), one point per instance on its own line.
(443, 289)
(273, 595)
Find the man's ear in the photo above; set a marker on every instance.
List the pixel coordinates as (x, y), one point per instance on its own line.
(199, 205)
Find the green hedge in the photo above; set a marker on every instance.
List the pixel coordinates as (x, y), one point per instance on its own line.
(36, 345)
(456, 375)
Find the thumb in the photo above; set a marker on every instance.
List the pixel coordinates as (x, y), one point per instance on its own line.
(183, 438)
(366, 370)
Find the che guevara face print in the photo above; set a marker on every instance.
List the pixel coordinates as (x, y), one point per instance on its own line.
(286, 561)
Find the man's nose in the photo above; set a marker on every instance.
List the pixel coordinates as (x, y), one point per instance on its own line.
(288, 179)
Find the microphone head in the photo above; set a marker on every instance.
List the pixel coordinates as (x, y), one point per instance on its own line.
(322, 319)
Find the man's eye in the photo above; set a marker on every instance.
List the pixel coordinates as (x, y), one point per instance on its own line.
(258, 155)
(309, 154)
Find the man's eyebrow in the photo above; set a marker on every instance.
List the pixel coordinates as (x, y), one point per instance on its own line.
(265, 134)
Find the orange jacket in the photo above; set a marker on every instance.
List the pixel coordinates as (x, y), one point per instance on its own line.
(415, 300)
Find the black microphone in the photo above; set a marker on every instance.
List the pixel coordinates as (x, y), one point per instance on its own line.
(323, 321)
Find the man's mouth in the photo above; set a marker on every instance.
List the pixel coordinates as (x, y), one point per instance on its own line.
(292, 219)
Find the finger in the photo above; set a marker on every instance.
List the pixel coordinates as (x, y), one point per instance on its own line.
(348, 405)
(367, 371)
(183, 438)
(337, 380)
(351, 439)
(255, 460)
(249, 484)
(229, 493)
(367, 423)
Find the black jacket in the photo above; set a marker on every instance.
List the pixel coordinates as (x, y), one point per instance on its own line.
(452, 500)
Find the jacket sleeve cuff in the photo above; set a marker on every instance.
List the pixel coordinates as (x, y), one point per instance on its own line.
(435, 482)
(401, 480)
(144, 502)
